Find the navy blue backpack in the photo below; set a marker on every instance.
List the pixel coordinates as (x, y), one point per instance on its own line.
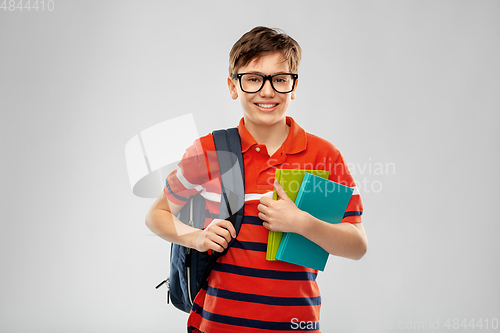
(189, 269)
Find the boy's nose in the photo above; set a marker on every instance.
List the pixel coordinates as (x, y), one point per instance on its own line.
(267, 89)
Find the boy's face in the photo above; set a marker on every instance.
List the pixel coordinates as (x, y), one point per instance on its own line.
(265, 107)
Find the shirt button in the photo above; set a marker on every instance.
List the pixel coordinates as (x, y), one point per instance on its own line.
(257, 149)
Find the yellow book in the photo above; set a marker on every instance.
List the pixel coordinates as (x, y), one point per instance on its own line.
(290, 180)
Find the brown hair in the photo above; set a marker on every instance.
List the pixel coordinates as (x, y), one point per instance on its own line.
(262, 40)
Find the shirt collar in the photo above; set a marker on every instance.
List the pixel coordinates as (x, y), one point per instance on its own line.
(295, 142)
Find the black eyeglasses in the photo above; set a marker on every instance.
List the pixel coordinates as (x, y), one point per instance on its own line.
(253, 82)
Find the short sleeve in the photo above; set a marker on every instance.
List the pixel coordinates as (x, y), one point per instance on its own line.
(191, 175)
(340, 173)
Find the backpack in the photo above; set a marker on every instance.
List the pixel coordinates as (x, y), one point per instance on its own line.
(189, 269)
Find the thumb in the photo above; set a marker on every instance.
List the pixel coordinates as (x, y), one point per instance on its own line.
(280, 191)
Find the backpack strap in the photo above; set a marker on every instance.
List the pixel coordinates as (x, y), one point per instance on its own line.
(228, 147)
(232, 176)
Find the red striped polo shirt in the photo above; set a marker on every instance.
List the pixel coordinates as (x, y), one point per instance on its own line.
(245, 292)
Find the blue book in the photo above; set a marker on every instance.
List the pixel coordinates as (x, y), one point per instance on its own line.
(325, 200)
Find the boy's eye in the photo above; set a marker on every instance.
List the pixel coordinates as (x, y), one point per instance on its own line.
(280, 79)
(253, 78)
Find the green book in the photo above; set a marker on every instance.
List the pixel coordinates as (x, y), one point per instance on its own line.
(290, 180)
(325, 200)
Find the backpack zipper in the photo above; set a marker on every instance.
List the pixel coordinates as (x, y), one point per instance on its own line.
(167, 282)
(188, 252)
(190, 297)
(168, 290)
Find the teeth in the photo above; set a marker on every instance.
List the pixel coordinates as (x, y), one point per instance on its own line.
(266, 106)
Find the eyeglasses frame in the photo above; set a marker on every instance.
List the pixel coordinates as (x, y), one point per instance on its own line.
(266, 77)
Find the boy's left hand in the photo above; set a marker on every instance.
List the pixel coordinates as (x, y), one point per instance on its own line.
(280, 215)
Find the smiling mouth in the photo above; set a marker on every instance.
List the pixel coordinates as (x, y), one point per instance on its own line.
(266, 106)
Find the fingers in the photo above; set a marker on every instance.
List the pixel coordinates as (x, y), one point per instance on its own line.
(262, 216)
(280, 191)
(218, 234)
(216, 242)
(263, 208)
(266, 200)
(265, 224)
(281, 195)
(225, 224)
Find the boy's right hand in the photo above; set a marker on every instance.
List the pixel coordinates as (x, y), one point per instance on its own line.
(215, 236)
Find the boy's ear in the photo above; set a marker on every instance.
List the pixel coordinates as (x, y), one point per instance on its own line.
(232, 88)
(294, 89)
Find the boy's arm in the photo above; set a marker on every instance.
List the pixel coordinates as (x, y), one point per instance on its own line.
(162, 220)
(343, 239)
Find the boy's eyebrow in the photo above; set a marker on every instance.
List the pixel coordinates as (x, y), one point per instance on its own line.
(257, 72)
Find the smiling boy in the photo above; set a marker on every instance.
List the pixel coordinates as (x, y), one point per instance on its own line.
(245, 292)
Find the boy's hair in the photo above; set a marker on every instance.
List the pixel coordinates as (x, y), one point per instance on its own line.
(260, 41)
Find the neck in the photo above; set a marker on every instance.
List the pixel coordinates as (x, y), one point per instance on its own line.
(272, 136)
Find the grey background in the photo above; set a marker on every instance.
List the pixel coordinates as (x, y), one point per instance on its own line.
(409, 91)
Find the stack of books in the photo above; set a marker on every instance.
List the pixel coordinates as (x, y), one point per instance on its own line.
(324, 199)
